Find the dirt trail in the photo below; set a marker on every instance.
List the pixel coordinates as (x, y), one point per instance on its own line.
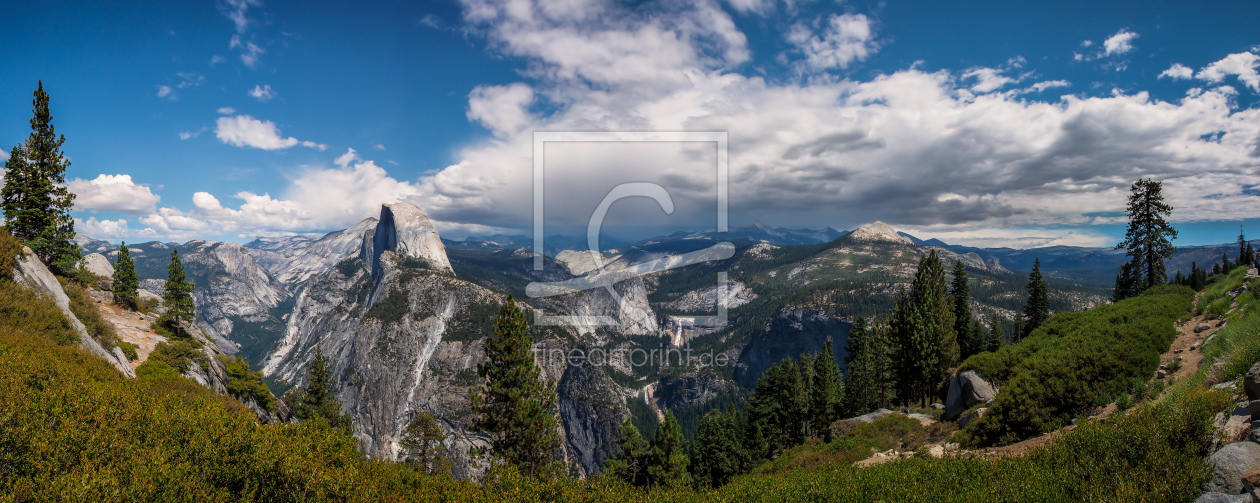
(1191, 360)
(133, 328)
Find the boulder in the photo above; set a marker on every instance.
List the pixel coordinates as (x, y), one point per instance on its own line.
(1229, 464)
(1251, 479)
(937, 406)
(97, 264)
(1225, 385)
(974, 415)
(965, 390)
(1202, 327)
(1251, 382)
(843, 426)
(1215, 497)
(1235, 426)
(1252, 407)
(106, 285)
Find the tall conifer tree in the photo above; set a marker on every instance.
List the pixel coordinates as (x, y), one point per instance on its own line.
(826, 392)
(318, 400)
(514, 405)
(125, 282)
(177, 295)
(630, 464)
(960, 291)
(1148, 239)
(923, 324)
(1037, 308)
(669, 457)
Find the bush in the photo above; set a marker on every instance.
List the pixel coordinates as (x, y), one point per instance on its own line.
(1074, 362)
(893, 431)
(129, 350)
(178, 354)
(246, 383)
(85, 310)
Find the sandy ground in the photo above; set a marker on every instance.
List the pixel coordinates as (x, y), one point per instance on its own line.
(131, 327)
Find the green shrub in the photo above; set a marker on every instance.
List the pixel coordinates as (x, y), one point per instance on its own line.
(178, 354)
(246, 383)
(893, 431)
(85, 310)
(1124, 401)
(1073, 362)
(129, 350)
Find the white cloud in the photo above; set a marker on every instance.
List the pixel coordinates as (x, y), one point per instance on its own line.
(216, 59)
(379, 146)
(185, 135)
(1243, 65)
(753, 6)
(345, 159)
(1047, 84)
(113, 193)
(987, 79)
(236, 11)
(844, 39)
(189, 79)
(111, 230)
(262, 93)
(431, 21)
(166, 92)
(226, 111)
(1177, 71)
(249, 50)
(246, 131)
(1119, 43)
(4, 156)
(504, 110)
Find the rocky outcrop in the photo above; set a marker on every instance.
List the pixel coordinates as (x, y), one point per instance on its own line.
(31, 272)
(705, 300)
(406, 231)
(235, 297)
(1251, 382)
(965, 390)
(791, 333)
(878, 232)
(97, 264)
(1228, 466)
(591, 410)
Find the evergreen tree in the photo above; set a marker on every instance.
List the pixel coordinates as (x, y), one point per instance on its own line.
(718, 453)
(35, 199)
(630, 464)
(997, 334)
(857, 336)
(960, 291)
(1216, 268)
(422, 445)
(1128, 282)
(1243, 259)
(978, 334)
(514, 405)
(317, 401)
(777, 405)
(669, 460)
(1251, 256)
(177, 296)
(1149, 236)
(1037, 308)
(125, 282)
(923, 325)
(826, 391)
(806, 368)
(1226, 265)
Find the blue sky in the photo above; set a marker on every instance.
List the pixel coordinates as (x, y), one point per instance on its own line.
(989, 124)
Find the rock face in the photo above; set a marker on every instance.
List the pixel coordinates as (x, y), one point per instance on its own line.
(1251, 382)
(405, 230)
(31, 272)
(795, 331)
(97, 264)
(965, 390)
(236, 299)
(1229, 464)
(877, 232)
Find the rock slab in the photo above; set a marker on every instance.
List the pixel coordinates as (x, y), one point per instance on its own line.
(1229, 464)
(965, 390)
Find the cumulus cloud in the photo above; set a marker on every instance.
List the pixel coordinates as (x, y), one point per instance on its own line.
(216, 59)
(841, 41)
(4, 156)
(911, 147)
(113, 193)
(262, 93)
(185, 135)
(987, 79)
(226, 111)
(166, 92)
(1119, 43)
(504, 110)
(249, 50)
(1177, 71)
(236, 11)
(246, 131)
(1242, 65)
(378, 146)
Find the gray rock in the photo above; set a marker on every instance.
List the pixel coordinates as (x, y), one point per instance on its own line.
(1216, 497)
(965, 390)
(974, 415)
(1229, 464)
(31, 272)
(1251, 382)
(105, 285)
(1202, 327)
(1225, 385)
(1252, 407)
(937, 406)
(97, 264)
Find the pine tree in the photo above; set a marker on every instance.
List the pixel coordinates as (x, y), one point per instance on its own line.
(35, 199)
(960, 291)
(422, 445)
(1242, 247)
(631, 461)
(669, 460)
(317, 401)
(923, 325)
(997, 334)
(1226, 265)
(826, 391)
(1128, 282)
(1149, 236)
(718, 452)
(177, 296)
(778, 405)
(125, 282)
(1037, 308)
(514, 405)
(1216, 268)
(857, 336)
